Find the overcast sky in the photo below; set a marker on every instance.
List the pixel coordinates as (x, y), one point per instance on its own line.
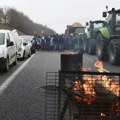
(56, 14)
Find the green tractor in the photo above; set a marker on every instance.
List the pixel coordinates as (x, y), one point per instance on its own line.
(108, 38)
(89, 42)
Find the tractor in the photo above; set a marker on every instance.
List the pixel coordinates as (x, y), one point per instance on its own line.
(74, 29)
(89, 41)
(108, 38)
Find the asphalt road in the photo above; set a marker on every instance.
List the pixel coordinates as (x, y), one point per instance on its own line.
(24, 97)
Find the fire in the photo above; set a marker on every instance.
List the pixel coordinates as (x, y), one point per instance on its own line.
(77, 85)
(115, 108)
(102, 114)
(110, 84)
(86, 89)
(99, 65)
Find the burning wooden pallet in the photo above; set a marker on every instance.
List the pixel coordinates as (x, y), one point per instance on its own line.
(87, 95)
(95, 94)
(90, 96)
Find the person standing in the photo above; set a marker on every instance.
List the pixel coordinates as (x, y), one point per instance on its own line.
(51, 43)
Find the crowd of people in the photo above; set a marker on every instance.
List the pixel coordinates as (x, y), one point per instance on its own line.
(57, 42)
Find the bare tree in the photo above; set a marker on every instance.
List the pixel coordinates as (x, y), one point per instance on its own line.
(1, 15)
(22, 23)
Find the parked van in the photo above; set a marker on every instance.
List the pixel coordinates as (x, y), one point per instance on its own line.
(8, 51)
(17, 41)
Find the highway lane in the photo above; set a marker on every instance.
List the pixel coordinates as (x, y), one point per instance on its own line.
(89, 60)
(4, 76)
(24, 98)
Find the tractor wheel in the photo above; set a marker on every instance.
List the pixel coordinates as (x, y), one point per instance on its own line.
(101, 47)
(15, 62)
(24, 55)
(6, 69)
(92, 47)
(29, 54)
(114, 52)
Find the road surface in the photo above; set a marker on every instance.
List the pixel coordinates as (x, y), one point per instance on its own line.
(21, 94)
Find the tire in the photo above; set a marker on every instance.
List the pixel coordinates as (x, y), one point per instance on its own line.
(101, 47)
(23, 56)
(114, 52)
(6, 69)
(34, 51)
(92, 47)
(15, 62)
(29, 54)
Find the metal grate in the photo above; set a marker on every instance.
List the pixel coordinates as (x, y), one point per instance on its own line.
(103, 105)
(61, 104)
(52, 94)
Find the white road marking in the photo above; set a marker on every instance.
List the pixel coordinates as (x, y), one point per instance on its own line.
(8, 81)
(106, 70)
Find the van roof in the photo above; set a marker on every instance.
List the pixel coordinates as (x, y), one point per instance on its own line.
(14, 30)
(4, 31)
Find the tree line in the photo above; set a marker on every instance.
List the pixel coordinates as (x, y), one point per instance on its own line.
(17, 20)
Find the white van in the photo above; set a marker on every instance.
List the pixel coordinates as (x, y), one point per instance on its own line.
(8, 51)
(17, 41)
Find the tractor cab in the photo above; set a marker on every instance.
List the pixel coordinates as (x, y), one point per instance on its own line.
(77, 30)
(113, 21)
(94, 26)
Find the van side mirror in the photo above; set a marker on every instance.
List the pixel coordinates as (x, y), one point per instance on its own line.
(25, 43)
(104, 14)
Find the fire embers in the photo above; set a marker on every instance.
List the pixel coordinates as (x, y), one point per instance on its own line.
(112, 85)
(84, 91)
(115, 108)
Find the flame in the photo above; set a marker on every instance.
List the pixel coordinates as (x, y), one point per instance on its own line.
(87, 87)
(109, 84)
(115, 108)
(102, 114)
(112, 85)
(86, 69)
(99, 65)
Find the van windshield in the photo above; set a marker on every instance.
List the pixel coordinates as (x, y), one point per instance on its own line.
(2, 38)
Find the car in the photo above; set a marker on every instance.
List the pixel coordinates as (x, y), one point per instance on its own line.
(25, 50)
(8, 50)
(29, 39)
